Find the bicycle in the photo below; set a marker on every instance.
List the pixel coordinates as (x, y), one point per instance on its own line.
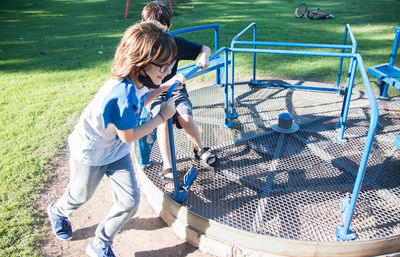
(301, 10)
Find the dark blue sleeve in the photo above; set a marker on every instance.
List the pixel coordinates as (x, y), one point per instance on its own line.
(187, 50)
(120, 106)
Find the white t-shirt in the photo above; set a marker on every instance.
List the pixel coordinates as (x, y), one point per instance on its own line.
(94, 141)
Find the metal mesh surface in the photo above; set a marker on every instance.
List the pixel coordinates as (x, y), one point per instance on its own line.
(290, 185)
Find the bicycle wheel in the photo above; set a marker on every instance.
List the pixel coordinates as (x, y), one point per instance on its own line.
(300, 10)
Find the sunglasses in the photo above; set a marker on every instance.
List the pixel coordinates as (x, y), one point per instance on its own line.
(164, 67)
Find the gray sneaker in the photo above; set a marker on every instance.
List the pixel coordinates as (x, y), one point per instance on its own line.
(93, 251)
(59, 224)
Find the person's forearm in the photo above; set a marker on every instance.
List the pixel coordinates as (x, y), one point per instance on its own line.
(131, 135)
(151, 95)
(206, 51)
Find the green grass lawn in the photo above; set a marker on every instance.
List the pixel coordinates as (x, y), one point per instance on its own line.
(55, 54)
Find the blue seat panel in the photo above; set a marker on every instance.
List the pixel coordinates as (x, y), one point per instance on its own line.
(386, 73)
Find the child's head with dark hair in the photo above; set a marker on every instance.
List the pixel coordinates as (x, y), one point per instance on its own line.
(156, 12)
(142, 44)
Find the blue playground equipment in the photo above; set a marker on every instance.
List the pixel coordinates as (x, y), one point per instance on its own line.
(253, 156)
(388, 74)
(343, 231)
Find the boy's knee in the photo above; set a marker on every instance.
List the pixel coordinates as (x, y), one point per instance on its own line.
(130, 203)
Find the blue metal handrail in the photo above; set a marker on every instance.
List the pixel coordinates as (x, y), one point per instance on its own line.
(347, 31)
(395, 46)
(343, 231)
(351, 74)
(216, 40)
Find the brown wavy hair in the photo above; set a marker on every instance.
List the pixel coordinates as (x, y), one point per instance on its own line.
(156, 12)
(142, 44)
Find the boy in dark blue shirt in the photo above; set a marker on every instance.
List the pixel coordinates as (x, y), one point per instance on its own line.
(187, 50)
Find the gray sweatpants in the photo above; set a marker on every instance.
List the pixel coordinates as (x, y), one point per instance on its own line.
(83, 182)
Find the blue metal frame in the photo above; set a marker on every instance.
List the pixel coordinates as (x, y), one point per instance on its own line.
(348, 203)
(387, 73)
(180, 191)
(216, 41)
(231, 114)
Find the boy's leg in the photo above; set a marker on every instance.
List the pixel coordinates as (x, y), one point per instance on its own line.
(162, 134)
(192, 130)
(163, 143)
(126, 201)
(83, 181)
(185, 120)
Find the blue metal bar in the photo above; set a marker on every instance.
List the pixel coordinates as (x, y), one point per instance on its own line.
(292, 52)
(344, 231)
(346, 102)
(191, 29)
(170, 125)
(395, 46)
(171, 134)
(341, 58)
(216, 40)
(216, 45)
(232, 113)
(227, 123)
(241, 33)
(353, 50)
(256, 83)
(348, 89)
(254, 54)
(293, 44)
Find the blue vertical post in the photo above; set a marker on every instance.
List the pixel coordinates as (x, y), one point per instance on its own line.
(232, 114)
(216, 40)
(254, 54)
(395, 46)
(348, 89)
(391, 60)
(171, 136)
(227, 123)
(346, 101)
(341, 59)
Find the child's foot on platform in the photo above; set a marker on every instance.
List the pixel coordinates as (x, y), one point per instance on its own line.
(206, 156)
(167, 179)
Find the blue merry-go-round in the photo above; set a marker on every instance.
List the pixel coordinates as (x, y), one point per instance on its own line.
(329, 188)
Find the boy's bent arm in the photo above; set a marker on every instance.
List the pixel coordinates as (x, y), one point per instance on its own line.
(131, 135)
(151, 95)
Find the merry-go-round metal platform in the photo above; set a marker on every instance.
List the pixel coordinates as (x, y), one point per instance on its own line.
(277, 194)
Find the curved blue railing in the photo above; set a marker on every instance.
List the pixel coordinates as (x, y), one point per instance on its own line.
(343, 231)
